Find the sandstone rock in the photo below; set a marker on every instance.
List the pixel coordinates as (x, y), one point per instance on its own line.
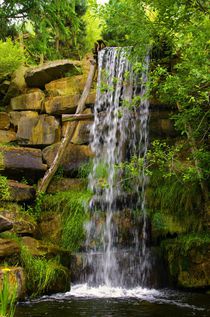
(4, 121)
(61, 104)
(16, 278)
(8, 247)
(66, 86)
(29, 101)
(23, 223)
(82, 132)
(74, 156)
(21, 192)
(41, 75)
(17, 84)
(91, 98)
(65, 184)
(50, 227)
(18, 159)
(65, 104)
(16, 116)
(7, 136)
(34, 129)
(5, 224)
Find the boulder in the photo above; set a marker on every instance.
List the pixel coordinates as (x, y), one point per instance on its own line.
(41, 75)
(8, 248)
(7, 136)
(65, 184)
(5, 224)
(34, 129)
(16, 278)
(51, 226)
(82, 132)
(74, 157)
(4, 121)
(66, 86)
(16, 116)
(32, 100)
(21, 192)
(66, 104)
(61, 104)
(17, 84)
(23, 223)
(18, 159)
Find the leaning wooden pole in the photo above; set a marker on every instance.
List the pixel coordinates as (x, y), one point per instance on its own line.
(70, 130)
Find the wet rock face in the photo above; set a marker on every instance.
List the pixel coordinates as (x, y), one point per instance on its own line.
(5, 224)
(29, 101)
(40, 76)
(189, 268)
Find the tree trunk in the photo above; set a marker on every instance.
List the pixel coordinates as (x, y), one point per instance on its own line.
(70, 129)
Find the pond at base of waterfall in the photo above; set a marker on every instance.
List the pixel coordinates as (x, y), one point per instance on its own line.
(117, 302)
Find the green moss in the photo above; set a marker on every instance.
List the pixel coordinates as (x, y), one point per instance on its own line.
(186, 256)
(74, 208)
(177, 206)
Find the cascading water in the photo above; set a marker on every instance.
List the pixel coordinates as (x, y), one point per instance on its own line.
(119, 132)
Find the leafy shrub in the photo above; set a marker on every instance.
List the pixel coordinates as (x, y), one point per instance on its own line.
(11, 57)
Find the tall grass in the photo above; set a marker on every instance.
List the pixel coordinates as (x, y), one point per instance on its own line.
(41, 273)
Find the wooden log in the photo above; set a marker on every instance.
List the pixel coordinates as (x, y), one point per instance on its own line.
(77, 117)
(70, 129)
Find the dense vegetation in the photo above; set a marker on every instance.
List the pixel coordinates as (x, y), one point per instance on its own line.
(175, 35)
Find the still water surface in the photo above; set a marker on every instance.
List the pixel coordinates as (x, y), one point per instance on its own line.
(117, 302)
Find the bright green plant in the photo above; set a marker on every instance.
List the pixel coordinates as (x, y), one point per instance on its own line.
(11, 57)
(74, 208)
(8, 296)
(4, 188)
(40, 272)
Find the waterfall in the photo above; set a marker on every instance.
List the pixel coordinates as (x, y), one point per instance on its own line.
(119, 132)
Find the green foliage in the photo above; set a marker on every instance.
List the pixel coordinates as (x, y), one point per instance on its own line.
(85, 169)
(4, 188)
(40, 272)
(73, 205)
(54, 28)
(11, 57)
(93, 26)
(36, 209)
(175, 203)
(8, 296)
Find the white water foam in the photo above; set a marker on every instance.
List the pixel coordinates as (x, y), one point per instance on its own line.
(83, 290)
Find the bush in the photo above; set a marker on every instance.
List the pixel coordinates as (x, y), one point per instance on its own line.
(11, 57)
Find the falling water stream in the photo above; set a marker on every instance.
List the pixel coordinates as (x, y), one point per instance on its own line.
(120, 131)
(117, 266)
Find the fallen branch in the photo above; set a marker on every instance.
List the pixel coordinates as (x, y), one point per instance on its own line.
(77, 117)
(70, 129)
